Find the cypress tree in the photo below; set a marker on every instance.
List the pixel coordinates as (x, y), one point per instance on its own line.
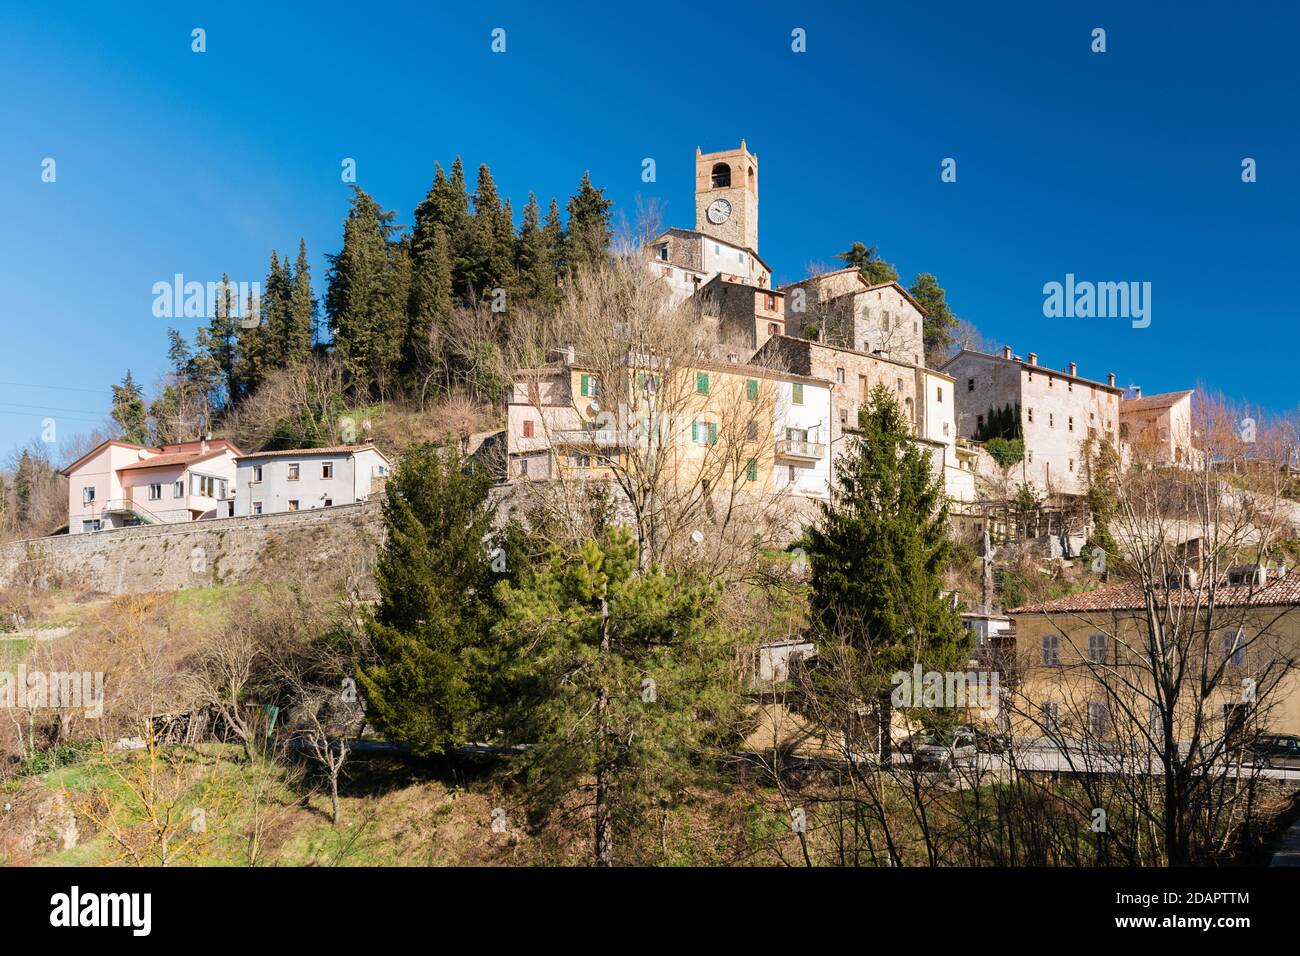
(23, 490)
(301, 311)
(553, 230)
(359, 300)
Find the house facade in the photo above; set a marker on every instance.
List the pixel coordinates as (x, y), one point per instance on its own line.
(1058, 412)
(742, 424)
(119, 484)
(1158, 428)
(300, 479)
(843, 309)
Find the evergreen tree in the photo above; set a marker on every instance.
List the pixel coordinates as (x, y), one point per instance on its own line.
(365, 320)
(588, 239)
(220, 343)
(874, 269)
(23, 480)
(619, 681)
(878, 552)
(937, 329)
(434, 575)
(432, 291)
(490, 251)
(301, 311)
(553, 231)
(276, 314)
(534, 258)
(129, 411)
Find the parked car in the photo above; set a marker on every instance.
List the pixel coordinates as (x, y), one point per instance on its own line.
(1275, 750)
(946, 751)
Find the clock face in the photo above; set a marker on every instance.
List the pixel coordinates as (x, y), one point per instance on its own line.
(719, 211)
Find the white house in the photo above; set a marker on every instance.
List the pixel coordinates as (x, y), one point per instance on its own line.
(302, 478)
(118, 484)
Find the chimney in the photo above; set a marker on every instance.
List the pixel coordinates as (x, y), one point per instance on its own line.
(1033, 358)
(1110, 379)
(1006, 351)
(1074, 369)
(203, 445)
(1137, 391)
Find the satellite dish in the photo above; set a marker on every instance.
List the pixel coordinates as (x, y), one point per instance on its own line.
(697, 537)
(594, 406)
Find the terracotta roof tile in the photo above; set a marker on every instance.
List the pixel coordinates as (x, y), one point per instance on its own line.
(1280, 592)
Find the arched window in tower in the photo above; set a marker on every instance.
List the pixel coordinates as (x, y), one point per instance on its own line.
(721, 175)
(751, 178)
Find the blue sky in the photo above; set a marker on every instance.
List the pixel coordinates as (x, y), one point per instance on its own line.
(1122, 166)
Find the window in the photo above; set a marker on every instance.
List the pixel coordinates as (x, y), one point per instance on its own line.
(589, 385)
(528, 428)
(257, 474)
(1097, 648)
(970, 384)
(93, 524)
(1051, 419)
(702, 383)
(293, 472)
(751, 389)
(257, 507)
(797, 393)
(751, 470)
(751, 431)
(772, 328)
(721, 176)
(740, 257)
(945, 429)
(898, 385)
(1029, 457)
(791, 475)
(1069, 386)
(1050, 381)
(1051, 650)
(938, 394)
(293, 504)
(523, 467)
(704, 433)
(326, 470)
(1234, 647)
(844, 416)
(1098, 718)
(663, 252)
(1071, 423)
(1071, 466)
(178, 489)
(839, 376)
(329, 502)
(155, 492)
(1030, 413)
(88, 495)
(1051, 717)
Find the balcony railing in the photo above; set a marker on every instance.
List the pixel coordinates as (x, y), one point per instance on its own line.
(793, 448)
(599, 437)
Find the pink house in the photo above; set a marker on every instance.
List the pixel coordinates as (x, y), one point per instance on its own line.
(120, 484)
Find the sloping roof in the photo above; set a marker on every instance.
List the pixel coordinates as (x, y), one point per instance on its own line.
(866, 286)
(675, 230)
(1279, 592)
(1149, 402)
(186, 458)
(1017, 360)
(100, 447)
(307, 452)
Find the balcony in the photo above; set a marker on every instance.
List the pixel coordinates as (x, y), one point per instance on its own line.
(597, 437)
(801, 450)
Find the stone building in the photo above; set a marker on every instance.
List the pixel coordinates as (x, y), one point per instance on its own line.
(1158, 428)
(738, 317)
(842, 308)
(1057, 410)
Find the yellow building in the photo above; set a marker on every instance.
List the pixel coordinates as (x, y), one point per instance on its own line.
(711, 423)
(1081, 663)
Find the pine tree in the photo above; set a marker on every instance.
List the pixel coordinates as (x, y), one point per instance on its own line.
(619, 680)
(301, 312)
(553, 230)
(360, 298)
(220, 343)
(939, 320)
(589, 233)
(490, 252)
(23, 490)
(432, 290)
(535, 261)
(864, 258)
(129, 411)
(878, 551)
(429, 630)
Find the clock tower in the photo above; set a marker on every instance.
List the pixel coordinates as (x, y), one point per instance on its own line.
(726, 196)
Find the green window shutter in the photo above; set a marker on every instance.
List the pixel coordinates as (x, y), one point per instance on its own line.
(798, 393)
(702, 382)
(751, 470)
(695, 431)
(751, 389)
(713, 433)
(586, 385)
(640, 380)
